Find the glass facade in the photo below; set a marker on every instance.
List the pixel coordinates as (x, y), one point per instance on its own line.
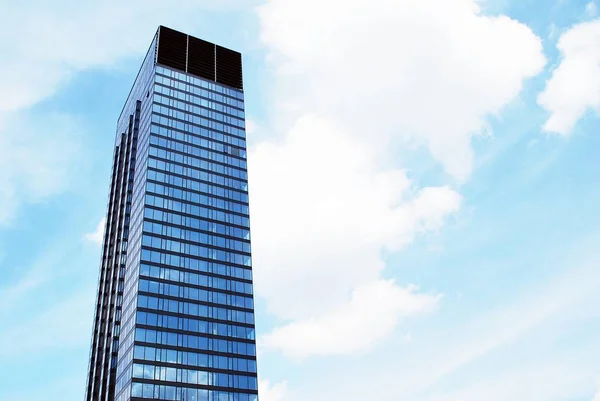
(175, 312)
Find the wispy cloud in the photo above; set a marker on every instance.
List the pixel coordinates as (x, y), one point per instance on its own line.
(499, 327)
(494, 348)
(64, 325)
(38, 153)
(57, 388)
(45, 268)
(591, 9)
(38, 156)
(11, 293)
(544, 379)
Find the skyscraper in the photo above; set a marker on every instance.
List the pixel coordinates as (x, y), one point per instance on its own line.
(174, 317)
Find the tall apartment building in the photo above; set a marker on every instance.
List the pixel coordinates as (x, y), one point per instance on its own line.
(174, 317)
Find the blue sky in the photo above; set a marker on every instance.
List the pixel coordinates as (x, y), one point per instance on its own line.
(423, 178)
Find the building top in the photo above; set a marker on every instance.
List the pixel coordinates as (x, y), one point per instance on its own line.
(198, 57)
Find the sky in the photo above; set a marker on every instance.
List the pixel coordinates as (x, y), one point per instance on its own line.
(424, 181)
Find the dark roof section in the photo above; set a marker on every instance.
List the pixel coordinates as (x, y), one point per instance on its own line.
(199, 57)
(229, 67)
(172, 48)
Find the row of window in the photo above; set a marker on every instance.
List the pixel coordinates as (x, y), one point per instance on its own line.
(214, 152)
(189, 150)
(188, 102)
(205, 119)
(200, 147)
(172, 393)
(192, 222)
(163, 74)
(194, 342)
(198, 122)
(193, 133)
(186, 262)
(193, 376)
(166, 73)
(196, 173)
(197, 97)
(194, 359)
(196, 237)
(189, 205)
(194, 325)
(193, 309)
(196, 250)
(187, 277)
(195, 294)
(186, 183)
(202, 96)
(195, 197)
(215, 94)
(203, 164)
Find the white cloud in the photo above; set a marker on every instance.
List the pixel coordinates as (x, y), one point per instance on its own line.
(574, 86)
(98, 235)
(323, 211)
(255, 132)
(272, 392)
(330, 198)
(372, 313)
(425, 70)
